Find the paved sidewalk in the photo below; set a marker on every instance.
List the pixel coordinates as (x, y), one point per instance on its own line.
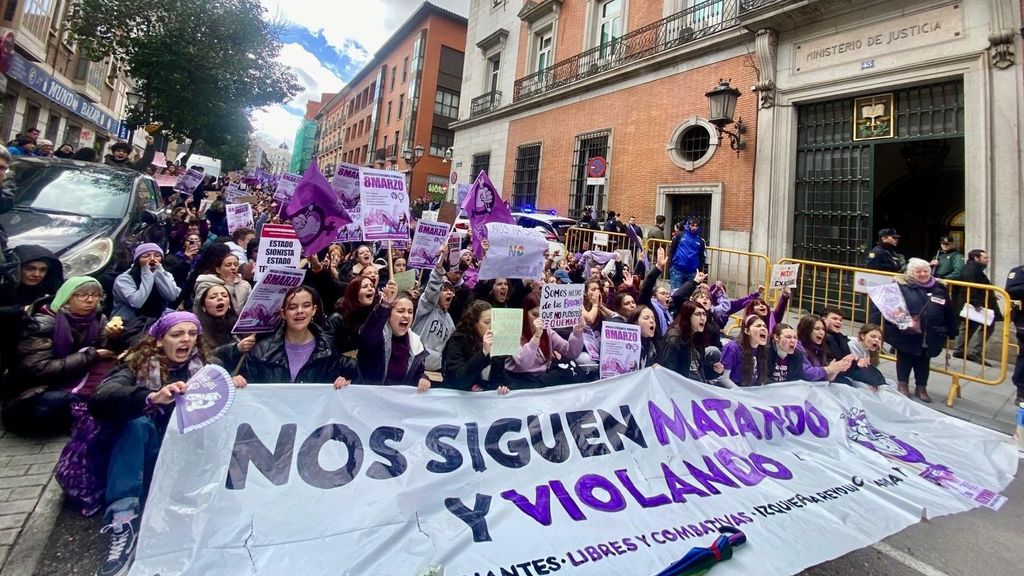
(29, 500)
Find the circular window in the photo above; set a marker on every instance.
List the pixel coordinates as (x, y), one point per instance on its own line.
(693, 143)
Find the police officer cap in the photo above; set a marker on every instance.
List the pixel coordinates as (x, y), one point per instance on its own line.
(888, 232)
(946, 240)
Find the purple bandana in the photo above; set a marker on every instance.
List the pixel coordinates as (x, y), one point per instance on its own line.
(158, 329)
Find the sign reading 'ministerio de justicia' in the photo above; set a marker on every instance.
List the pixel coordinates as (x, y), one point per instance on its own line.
(885, 37)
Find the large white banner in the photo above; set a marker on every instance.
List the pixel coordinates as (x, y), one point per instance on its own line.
(622, 476)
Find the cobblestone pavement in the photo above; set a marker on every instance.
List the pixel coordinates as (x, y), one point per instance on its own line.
(29, 500)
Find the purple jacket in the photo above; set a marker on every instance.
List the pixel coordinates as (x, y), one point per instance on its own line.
(813, 372)
(530, 361)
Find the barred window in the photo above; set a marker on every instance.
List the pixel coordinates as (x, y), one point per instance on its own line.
(524, 181)
(481, 163)
(694, 143)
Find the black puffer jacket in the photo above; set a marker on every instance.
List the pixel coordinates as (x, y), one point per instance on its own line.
(37, 365)
(463, 363)
(267, 363)
(122, 396)
(678, 356)
(933, 307)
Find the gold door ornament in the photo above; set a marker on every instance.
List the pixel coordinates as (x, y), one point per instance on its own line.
(872, 117)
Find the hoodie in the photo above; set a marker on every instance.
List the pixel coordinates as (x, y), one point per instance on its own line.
(433, 325)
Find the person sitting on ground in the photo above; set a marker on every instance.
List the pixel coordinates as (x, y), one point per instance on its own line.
(298, 351)
(390, 353)
(145, 291)
(837, 346)
(213, 308)
(136, 399)
(540, 348)
(65, 340)
(32, 272)
(650, 340)
(656, 295)
(467, 363)
(866, 347)
(759, 307)
(240, 239)
(744, 357)
(810, 331)
(225, 273)
(685, 349)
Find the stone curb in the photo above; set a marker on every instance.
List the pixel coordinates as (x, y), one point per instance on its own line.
(28, 549)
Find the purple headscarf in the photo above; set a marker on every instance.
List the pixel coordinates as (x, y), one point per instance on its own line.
(161, 326)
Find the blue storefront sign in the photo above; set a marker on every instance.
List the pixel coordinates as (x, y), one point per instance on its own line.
(35, 78)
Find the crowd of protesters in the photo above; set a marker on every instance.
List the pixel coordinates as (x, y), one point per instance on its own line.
(107, 366)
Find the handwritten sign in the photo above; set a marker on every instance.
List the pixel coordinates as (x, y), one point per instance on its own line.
(862, 281)
(507, 326)
(785, 275)
(620, 349)
(514, 252)
(561, 305)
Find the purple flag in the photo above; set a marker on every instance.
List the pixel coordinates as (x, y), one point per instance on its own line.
(208, 397)
(483, 205)
(315, 211)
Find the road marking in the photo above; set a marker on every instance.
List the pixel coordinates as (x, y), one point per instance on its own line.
(908, 560)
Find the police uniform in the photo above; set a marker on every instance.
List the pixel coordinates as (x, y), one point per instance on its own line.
(882, 258)
(1015, 288)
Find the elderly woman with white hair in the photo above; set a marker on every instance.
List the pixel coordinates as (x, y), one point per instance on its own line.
(934, 320)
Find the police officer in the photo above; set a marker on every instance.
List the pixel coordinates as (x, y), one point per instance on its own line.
(1015, 288)
(884, 256)
(948, 262)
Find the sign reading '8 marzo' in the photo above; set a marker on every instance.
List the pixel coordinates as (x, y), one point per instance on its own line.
(621, 476)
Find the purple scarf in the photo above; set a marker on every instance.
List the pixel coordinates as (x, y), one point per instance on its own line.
(66, 325)
(928, 284)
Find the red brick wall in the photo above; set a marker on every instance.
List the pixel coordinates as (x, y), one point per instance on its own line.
(642, 119)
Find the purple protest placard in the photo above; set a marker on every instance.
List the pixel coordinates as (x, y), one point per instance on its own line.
(261, 312)
(189, 181)
(346, 185)
(286, 186)
(427, 244)
(208, 397)
(483, 205)
(238, 216)
(620, 349)
(384, 204)
(316, 211)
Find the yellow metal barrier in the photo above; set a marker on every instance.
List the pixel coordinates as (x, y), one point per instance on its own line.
(739, 272)
(583, 239)
(822, 285)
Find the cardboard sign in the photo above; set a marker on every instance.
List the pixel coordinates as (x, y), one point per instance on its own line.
(507, 326)
(279, 246)
(447, 213)
(514, 252)
(561, 305)
(785, 275)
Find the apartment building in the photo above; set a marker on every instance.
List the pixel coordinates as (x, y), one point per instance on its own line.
(50, 86)
(396, 113)
(856, 115)
(305, 136)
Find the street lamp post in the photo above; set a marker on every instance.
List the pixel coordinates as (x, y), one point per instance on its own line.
(721, 107)
(411, 157)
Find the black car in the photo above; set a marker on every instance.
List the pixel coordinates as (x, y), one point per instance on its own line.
(89, 214)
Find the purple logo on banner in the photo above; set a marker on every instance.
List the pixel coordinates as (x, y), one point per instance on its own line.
(209, 395)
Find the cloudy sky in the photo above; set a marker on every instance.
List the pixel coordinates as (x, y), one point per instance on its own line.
(325, 43)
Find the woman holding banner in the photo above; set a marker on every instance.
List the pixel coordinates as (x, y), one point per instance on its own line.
(390, 353)
(530, 368)
(934, 321)
(467, 363)
(299, 351)
(137, 398)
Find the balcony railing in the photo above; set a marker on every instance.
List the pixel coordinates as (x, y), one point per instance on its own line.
(380, 154)
(392, 152)
(694, 23)
(485, 103)
(749, 5)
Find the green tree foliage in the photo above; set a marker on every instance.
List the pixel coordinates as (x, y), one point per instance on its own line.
(201, 65)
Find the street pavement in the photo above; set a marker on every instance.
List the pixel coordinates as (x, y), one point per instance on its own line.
(38, 535)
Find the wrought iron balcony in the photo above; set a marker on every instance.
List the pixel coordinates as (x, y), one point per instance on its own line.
(696, 22)
(392, 152)
(485, 103)
(380, 154)
(750, 5)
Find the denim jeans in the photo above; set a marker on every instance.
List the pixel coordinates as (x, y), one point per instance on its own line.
(676, 279)
(131, 465)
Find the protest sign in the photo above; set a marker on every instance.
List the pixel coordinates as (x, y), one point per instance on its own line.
(405, 280)
(286, 187)
(507, 326)
(514, 252)
(454, 249)
(279, 246)
(890, 302)
(231, 193)
(448, 213)
(426, 248)
(239, 216)
(208, 396)
(384, 204)
(346, 185)
(189, 181)
(620, 348)
(462, 192)
(599, 239)
(315, 211)
(785, 275)
(261, 312)
(864, 280)
(483, 206)
(561, 305)
(632, 472)
(979, 315)
(204, 205)
(429, 215)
